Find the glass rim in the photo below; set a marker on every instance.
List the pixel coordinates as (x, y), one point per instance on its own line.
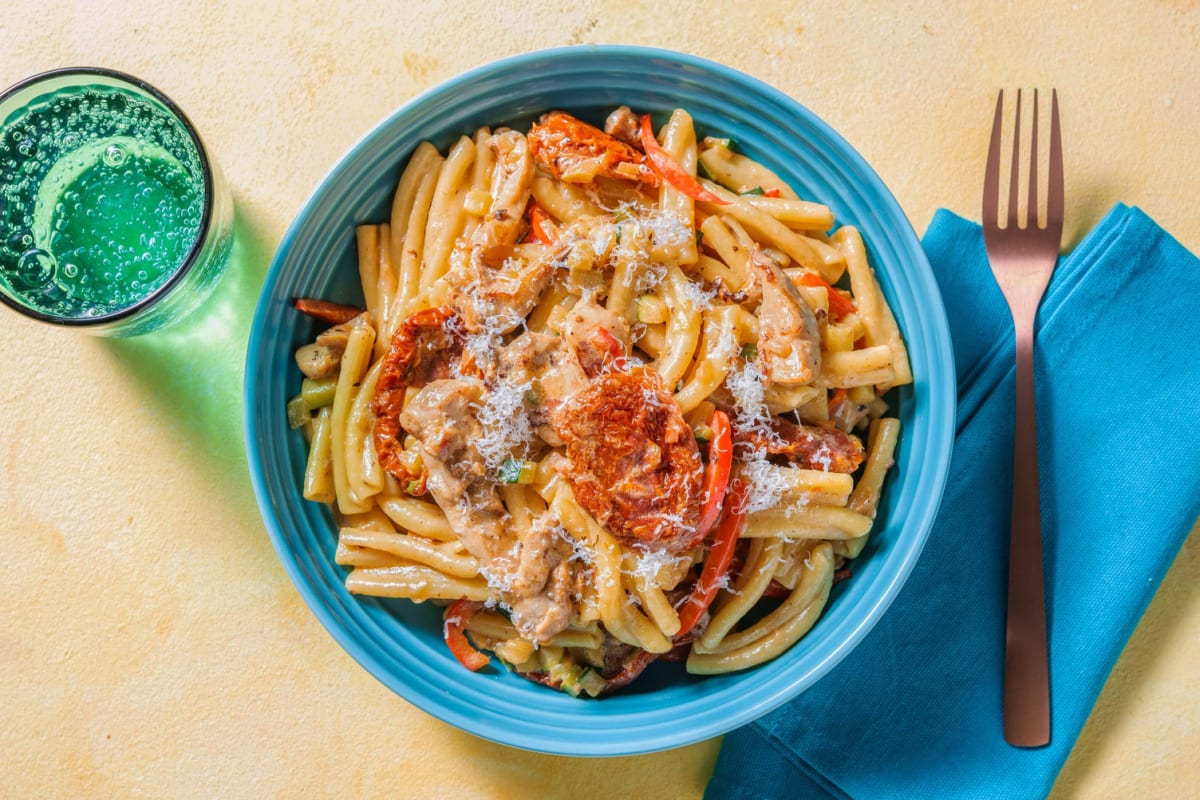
(206, 170)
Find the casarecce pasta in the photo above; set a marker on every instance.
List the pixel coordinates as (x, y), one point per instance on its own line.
(614, 396)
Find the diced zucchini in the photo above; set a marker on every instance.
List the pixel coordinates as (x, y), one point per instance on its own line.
(477, 202)
(591, 682)
(652, 309)
(318, 393)
(725, 142)
(567, 676)
(862, 395)
(516, 471)
(298, 414)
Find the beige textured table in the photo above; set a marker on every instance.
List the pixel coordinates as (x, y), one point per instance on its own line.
(151, 643)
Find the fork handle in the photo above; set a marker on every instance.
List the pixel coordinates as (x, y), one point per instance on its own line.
(1026, 667)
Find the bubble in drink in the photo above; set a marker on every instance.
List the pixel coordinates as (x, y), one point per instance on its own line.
(101, 199)
(19, 241)
(36, 267)
(114, 155)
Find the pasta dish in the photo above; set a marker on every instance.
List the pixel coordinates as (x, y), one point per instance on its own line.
(614, 395)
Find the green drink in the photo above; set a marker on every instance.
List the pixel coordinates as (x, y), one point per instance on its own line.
(112, 217)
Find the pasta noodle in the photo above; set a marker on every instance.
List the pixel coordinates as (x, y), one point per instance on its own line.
(347, 464)
(606, 400)
(679, 140)
(410, 215)
(446, 214)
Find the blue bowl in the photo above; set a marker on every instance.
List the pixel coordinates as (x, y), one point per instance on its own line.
(400, 642)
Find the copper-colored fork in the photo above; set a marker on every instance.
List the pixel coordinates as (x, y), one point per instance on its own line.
(1022, 259)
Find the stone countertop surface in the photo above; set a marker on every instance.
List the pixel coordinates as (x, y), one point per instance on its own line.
(152, 644)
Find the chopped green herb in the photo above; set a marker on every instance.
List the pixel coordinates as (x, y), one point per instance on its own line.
(750, 351)
(757, 191)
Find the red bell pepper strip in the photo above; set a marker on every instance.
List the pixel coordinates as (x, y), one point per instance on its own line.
(662, 163)
(839, 304)
(326, 311)
(608, 343)
(537, 229)
(773, 192)
(716, 478)
(836, 398)
(720, 555)
(612, 348)
(453, 622)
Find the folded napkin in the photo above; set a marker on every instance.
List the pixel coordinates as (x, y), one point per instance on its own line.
(915, 710)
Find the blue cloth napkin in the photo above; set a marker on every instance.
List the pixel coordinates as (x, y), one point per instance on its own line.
(915, 710)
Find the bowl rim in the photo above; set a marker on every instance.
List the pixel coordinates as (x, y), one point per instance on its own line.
(916, 526)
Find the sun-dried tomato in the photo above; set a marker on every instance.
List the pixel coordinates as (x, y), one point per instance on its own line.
(426, 347)
(807, 446)
(634, 463)
(574, 151)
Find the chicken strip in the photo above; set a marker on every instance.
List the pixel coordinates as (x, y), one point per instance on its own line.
(529, 573)
(511, 181)
(789, 341)
(494, 289)
(551, 370)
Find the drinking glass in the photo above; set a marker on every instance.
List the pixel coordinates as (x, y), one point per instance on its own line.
(114, 218)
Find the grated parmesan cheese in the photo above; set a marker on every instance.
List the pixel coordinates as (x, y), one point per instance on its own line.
(726, 583)
(502, 571)
(641, 231)
(823, 456)
(507, 429)
(664, 229)
(727, 346)
(764, 484)
(699, 297)
(650, 563)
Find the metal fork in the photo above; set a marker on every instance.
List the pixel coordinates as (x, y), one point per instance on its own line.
(1022, 259)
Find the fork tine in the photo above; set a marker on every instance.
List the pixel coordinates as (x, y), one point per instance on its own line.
(1031, 213)
(1016, 166)
(991, 176)
(1054, 191)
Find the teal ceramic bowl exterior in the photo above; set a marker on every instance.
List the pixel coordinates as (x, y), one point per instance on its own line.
(400, 642)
